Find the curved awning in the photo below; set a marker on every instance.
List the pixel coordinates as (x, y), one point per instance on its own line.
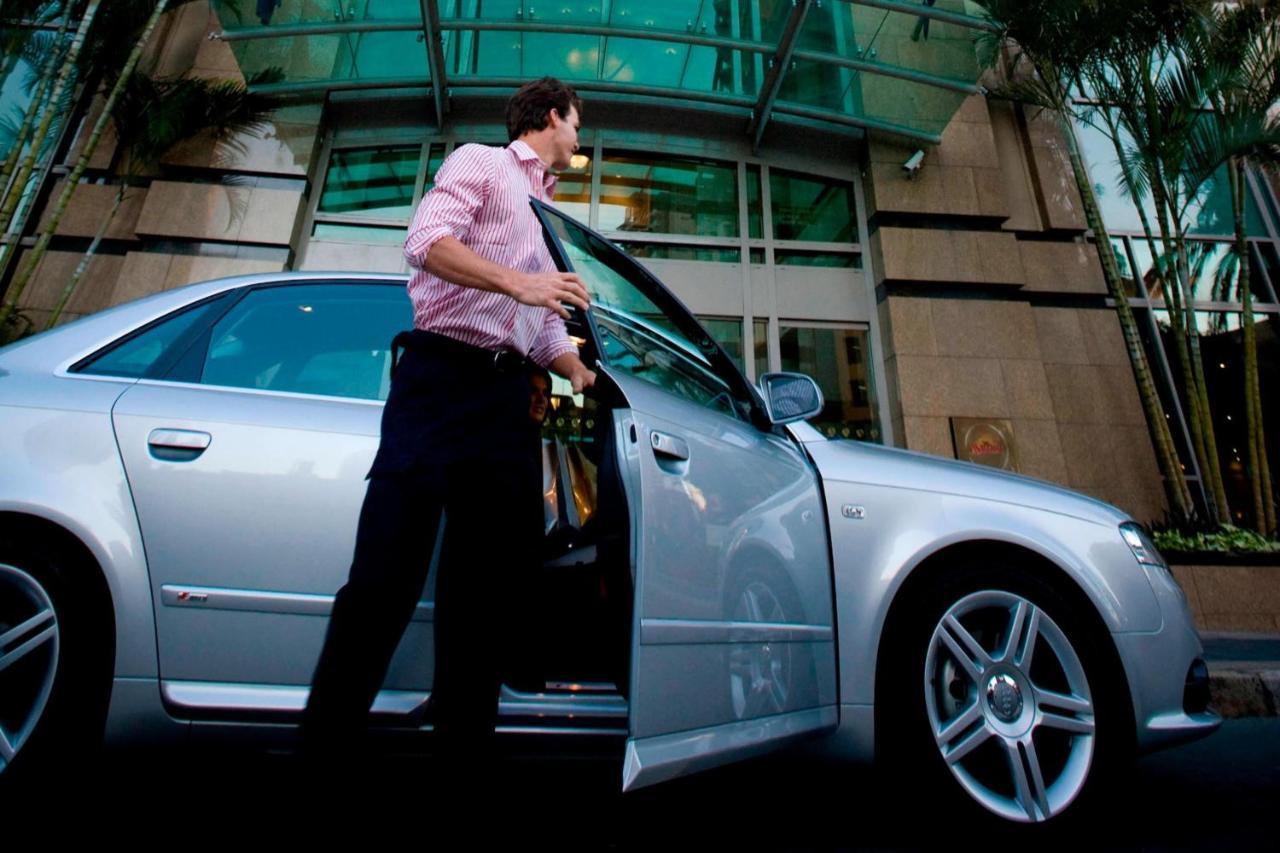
(896, 66)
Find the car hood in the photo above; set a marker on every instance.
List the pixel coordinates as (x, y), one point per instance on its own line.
(859, 462)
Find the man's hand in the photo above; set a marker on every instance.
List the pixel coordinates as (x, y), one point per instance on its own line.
(571, 367)
(548, 290)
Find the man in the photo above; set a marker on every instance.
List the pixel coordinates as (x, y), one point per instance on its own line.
(487, 300)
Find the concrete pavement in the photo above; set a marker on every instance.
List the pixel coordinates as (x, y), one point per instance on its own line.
(1244, 673)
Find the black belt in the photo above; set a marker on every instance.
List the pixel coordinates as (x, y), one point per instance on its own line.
(434, 343)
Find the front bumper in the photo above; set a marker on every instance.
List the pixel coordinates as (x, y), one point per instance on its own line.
(1164, 679)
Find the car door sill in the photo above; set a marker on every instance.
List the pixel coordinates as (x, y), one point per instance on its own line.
(592, 707)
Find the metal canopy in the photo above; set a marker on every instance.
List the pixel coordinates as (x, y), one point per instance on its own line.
(899, 67)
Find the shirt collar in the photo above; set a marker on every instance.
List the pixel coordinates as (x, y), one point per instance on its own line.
(527, 156)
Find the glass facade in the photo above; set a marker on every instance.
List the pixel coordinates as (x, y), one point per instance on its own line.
(837, 359)
(852, 64)
(700, 219)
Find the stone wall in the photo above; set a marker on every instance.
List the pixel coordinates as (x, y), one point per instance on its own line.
(992, 305)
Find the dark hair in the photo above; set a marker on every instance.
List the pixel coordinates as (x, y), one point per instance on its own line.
(537, 370)
(527, 110)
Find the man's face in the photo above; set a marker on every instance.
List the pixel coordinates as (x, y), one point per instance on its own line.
(564, 137)
(539, 398)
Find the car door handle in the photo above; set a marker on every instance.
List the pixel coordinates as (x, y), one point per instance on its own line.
(669, 446)
(178, 445)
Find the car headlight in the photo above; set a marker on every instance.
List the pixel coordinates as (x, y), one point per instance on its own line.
(1144, 550)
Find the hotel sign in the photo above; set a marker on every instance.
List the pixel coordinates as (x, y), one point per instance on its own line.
(986, 441)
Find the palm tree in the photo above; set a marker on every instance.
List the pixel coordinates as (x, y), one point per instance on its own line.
(1239, 61)
(44, 53)
(65, 78)
(1151, 108)
(37, 253)
(111, 54)
(1044, 45)
(152, 116)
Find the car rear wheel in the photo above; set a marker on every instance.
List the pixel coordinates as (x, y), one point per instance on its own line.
(1004, 695)
(54, 672)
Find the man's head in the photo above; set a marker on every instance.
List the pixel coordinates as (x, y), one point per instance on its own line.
(546, 115)
(539, 395)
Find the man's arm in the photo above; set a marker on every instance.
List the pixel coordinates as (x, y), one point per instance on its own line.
(571, 367)
(452, 261)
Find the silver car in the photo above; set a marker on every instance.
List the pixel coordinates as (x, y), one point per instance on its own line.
(180, 479)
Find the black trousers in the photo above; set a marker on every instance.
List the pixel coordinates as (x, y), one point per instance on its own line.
(456, 440)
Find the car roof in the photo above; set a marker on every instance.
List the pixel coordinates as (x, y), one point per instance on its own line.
(59, 348)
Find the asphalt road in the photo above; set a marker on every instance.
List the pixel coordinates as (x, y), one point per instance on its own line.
(1219, 793)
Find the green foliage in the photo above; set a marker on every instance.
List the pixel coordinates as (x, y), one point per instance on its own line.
(1224, 540)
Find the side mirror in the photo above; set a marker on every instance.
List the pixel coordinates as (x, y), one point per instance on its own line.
(790, 397)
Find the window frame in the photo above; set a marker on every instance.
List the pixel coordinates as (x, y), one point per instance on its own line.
(720, 365)
(202, 331)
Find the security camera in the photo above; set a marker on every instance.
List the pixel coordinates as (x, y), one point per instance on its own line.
(912, 166)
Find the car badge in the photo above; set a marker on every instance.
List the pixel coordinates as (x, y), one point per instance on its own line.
(854, 512)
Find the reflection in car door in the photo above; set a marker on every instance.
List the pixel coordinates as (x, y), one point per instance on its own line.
(248, 490)
(733, 648)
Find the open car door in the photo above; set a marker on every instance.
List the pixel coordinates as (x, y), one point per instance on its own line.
(733, 648)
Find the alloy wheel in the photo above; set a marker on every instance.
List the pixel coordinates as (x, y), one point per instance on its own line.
(29, 644)
(1009, 706)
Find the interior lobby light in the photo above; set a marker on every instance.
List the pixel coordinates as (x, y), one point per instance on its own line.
(579, 161)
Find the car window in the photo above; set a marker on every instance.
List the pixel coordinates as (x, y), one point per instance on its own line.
(330, 339)
(636, 335)
(149, 352)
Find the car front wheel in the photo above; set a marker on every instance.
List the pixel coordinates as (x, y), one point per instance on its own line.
(1009, 702)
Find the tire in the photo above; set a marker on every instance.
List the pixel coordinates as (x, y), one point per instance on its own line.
(999, 698)
(54, 665)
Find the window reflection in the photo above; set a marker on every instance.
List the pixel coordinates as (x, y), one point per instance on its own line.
(668, 195)
(837, 359)
(727, 332)
(372, 182)
(1222, 352)
(1212, 272)
(811, 208)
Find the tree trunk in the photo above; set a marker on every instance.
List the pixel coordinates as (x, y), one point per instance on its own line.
(1172, 302)
(1201, 386)
(1259, 468)
(1177, 296)
(74, 282)
(1174, 481)
(23, 277)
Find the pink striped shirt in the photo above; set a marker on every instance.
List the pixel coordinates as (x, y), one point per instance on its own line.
(481, 197)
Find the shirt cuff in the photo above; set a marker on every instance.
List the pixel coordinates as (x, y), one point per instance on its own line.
(421, 242)
(544, 355)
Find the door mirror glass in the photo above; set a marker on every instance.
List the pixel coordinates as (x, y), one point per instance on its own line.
(790, 396)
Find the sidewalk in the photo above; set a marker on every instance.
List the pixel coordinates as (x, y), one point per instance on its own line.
(1244, 673)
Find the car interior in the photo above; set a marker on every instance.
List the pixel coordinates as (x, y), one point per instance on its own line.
(586, 566)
